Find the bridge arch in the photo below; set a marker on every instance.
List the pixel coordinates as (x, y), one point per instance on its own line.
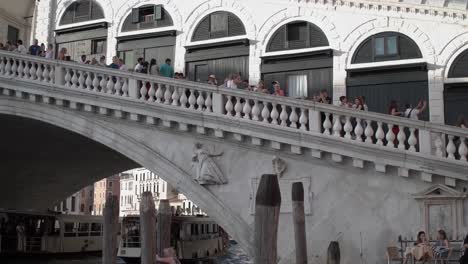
(140, 153)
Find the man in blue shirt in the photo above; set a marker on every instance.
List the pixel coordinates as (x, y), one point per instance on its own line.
(35, 49)
(166, 69)
(115, 63)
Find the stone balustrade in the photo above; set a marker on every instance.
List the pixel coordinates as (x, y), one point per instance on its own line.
(366, 129)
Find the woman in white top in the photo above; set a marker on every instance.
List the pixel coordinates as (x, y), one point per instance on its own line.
(153, 68)
(49, 54)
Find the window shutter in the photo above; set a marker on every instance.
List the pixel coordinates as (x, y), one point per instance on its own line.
(235, 26)
(82, 9)
(135, 15)
(278, 41)
(203, 30)
(158, 12)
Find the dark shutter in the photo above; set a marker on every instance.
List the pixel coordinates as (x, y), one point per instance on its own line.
(67, 17)
(158, 12)
(364, 53)
(317, 37)
(278, 41)
(408, 48)
(235, 26)
(460, 66)
(202, 32)
(455, 101)
(82, 9)
(13, 34)
(96, 11)
(135, 15)
(297, 35)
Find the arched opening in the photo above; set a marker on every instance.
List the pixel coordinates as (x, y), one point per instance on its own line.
(456, 90)
(304, 73)
(406, 82)
(88, 40)
(159, 45)
(220, 58)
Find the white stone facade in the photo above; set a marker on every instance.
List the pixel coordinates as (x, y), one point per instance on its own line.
(439, 30)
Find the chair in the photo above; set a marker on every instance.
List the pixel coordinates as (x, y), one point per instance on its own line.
(443, 260)
(393, 254)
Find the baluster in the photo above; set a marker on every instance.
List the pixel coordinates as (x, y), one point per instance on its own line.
(67, 77)
(20, 69)
(45, 73)
(39, 72)
(125, 87)
(95, 83)
(144, 91)
(390, 137)
(462, 149)
(274, 114)
(358, 130)
(8, 68)
(438, 145)
(451, 148)
(380, 135)
(412, 140)
(229, 106)
(89, 82)
(168, 95)
(293, 117)
(118, 86)
(175, 96)
(151, 92)
(110, 85)
(52, 74)
(255, 111)
(401, 138)
(74, 80)
(200, 101)
(247, 110)
(337, 126)
(103, 83)
(81, 80)
(303, 120)
(369, 132)
(208, 102)
(192, 100)
(183, 98)
(26, 70)
(283, 116)
(159, 93)
(2, 65)
(265, 113)
(348, 127)
(327, 125)
(14, 68)
(238, 107)
(32, 72)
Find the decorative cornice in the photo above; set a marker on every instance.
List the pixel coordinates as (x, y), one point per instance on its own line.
(374, 6)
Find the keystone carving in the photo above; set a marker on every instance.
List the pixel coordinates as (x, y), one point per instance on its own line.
(279, 166)
(207, 171)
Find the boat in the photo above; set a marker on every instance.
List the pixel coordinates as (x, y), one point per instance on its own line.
(196, 239)
(37, 233)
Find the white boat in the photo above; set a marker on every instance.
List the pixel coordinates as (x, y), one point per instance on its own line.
(27, 233)
(195, 239)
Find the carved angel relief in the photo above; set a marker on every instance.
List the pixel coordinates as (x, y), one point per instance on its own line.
(279, 166)
(207, 171)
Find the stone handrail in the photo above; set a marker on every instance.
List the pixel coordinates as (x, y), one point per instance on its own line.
(371, 129)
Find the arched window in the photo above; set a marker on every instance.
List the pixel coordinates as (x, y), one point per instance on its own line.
(386, 46)
(218, 25)
(146, 17)
(459, 68)
(82, 11)
(297, 35)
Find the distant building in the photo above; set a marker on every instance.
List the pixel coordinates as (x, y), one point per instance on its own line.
(79, 203)
(128, 198)
(104, 188)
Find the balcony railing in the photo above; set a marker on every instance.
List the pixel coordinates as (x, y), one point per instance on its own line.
(359, 127)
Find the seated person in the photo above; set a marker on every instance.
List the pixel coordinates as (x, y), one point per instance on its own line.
(441, 249)
(464, 258)
(421, 251)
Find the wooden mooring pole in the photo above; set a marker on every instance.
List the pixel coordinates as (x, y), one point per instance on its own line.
(164, 227)
(299, 222)
(148, 229)
(111, 224)
(333, 255)
(267, 209)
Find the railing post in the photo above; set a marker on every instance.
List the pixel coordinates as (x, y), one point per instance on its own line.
(133, 90)
(59, 75)
(315, 121)
(218, 105)
(425, 142)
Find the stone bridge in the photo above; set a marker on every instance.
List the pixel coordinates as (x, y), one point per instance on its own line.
(67, 125)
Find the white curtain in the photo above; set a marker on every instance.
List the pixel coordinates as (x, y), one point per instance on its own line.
(297, 85)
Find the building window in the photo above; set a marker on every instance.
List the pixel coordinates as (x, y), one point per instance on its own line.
(297, 86)
(98, 46)
(110, 184)
(295, 31)
(73, 203)
(13, 34)
(81, 11)
(82, 207)
(219, 23)
(386, 46)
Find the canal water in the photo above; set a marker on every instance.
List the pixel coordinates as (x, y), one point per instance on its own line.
(235, 256)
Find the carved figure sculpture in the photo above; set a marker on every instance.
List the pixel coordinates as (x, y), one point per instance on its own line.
(279, 166)
(207, 171)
